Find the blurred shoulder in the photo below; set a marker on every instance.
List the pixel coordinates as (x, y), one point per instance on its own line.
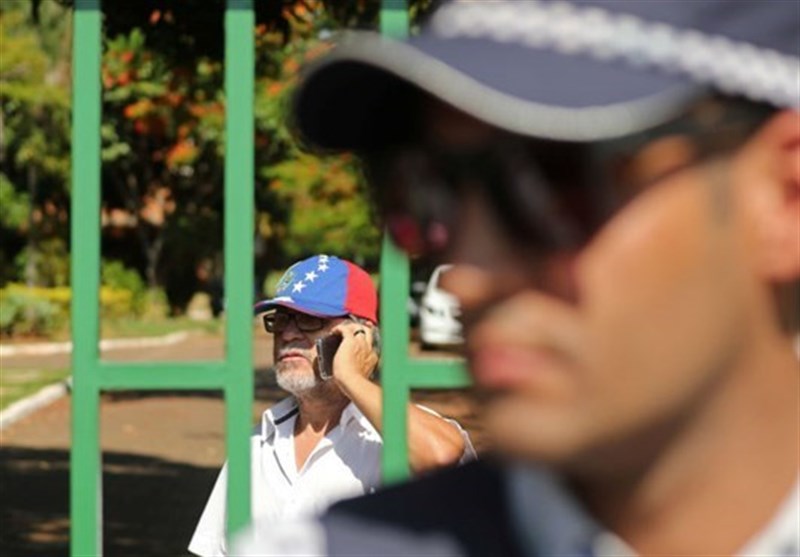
(461, 511)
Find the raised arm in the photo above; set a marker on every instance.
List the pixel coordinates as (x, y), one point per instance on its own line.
(433, 442)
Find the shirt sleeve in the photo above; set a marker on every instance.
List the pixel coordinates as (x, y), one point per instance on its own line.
(209, 536)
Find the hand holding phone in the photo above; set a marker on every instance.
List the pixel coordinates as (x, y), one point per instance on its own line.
(326, 351)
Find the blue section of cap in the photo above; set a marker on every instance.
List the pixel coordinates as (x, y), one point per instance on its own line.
(570, 82)
(317, 285)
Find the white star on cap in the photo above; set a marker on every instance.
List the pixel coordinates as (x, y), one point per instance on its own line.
(298, 286)
(322, 267)
(310, 276)
(323, 258)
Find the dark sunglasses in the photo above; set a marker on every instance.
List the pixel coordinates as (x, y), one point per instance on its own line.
(548, 195)
(278, 321)
(423, 190)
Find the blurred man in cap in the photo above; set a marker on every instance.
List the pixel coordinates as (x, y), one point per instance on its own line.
(619, 186)
(323, 442)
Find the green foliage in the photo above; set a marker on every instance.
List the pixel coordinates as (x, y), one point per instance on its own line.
(156, 307)
(28, 314)
(116, 276)
(34, 134)
(36, 311)
(15, 205)
(50, 261)
(35, 97)
(307, 203)
(163, 140)
(330, 213)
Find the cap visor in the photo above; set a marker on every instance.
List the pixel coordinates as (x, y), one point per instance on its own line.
(366, 92)
(272, 303)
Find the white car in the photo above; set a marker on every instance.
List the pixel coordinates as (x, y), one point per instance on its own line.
(439, 314)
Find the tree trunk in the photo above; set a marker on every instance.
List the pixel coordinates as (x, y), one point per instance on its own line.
(31, 270)
(153, 254)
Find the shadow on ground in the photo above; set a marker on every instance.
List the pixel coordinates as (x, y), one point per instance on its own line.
(151, 506)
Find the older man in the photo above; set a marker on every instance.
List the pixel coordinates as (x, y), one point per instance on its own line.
(618, 184)
(323, 443)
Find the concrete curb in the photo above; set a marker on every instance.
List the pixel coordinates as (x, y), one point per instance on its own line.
(48, 348)
(51, 393)
(40, 399)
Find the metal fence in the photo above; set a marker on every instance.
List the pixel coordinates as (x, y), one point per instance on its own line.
(233, 375)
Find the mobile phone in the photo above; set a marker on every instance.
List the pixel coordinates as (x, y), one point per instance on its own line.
(326, 350)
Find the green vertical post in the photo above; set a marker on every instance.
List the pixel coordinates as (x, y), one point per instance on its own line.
(394, 18)
(239, 226)
(90, 374)
(394, 273)
(85, 459)
(400, 373)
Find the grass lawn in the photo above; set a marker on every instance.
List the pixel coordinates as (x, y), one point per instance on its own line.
(18, 383)
(127, 328)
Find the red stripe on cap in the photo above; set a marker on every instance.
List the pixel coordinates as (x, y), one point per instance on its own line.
(362, 297)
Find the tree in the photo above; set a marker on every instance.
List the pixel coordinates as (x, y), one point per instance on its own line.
(34, 136)
(163, 137)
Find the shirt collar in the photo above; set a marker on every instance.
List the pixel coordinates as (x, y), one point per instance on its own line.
(286, 408)
(275, 415)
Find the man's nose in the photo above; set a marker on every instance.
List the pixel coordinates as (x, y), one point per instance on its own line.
(291, 332)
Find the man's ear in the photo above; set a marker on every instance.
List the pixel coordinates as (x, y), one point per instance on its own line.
(777, 209)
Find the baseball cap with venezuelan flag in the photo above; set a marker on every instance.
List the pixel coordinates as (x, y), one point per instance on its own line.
(326, 286)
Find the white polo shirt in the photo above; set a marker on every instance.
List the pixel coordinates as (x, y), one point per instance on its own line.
(281, 491)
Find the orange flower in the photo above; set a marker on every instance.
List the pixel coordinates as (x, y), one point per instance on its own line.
(174, 99)
(184, 130)
(183, 152)
(274, 89)
(291, 65)
(138, 109)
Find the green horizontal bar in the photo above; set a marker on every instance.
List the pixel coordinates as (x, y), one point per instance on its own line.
(163, 375)
(437, 374)
(394, 18)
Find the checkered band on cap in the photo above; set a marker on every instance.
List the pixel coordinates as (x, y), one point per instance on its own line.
(326, 286)
(735, 67)
(569, 70)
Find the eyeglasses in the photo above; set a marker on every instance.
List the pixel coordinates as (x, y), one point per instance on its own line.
(549, 195)
(278, 321)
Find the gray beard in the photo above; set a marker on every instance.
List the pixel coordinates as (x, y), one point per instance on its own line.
(295, 381)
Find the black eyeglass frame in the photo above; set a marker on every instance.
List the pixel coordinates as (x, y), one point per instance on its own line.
(304, 322)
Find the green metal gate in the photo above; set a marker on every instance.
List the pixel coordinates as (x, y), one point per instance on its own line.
(233, 375)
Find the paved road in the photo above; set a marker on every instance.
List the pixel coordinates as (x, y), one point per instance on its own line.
(161, 453)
